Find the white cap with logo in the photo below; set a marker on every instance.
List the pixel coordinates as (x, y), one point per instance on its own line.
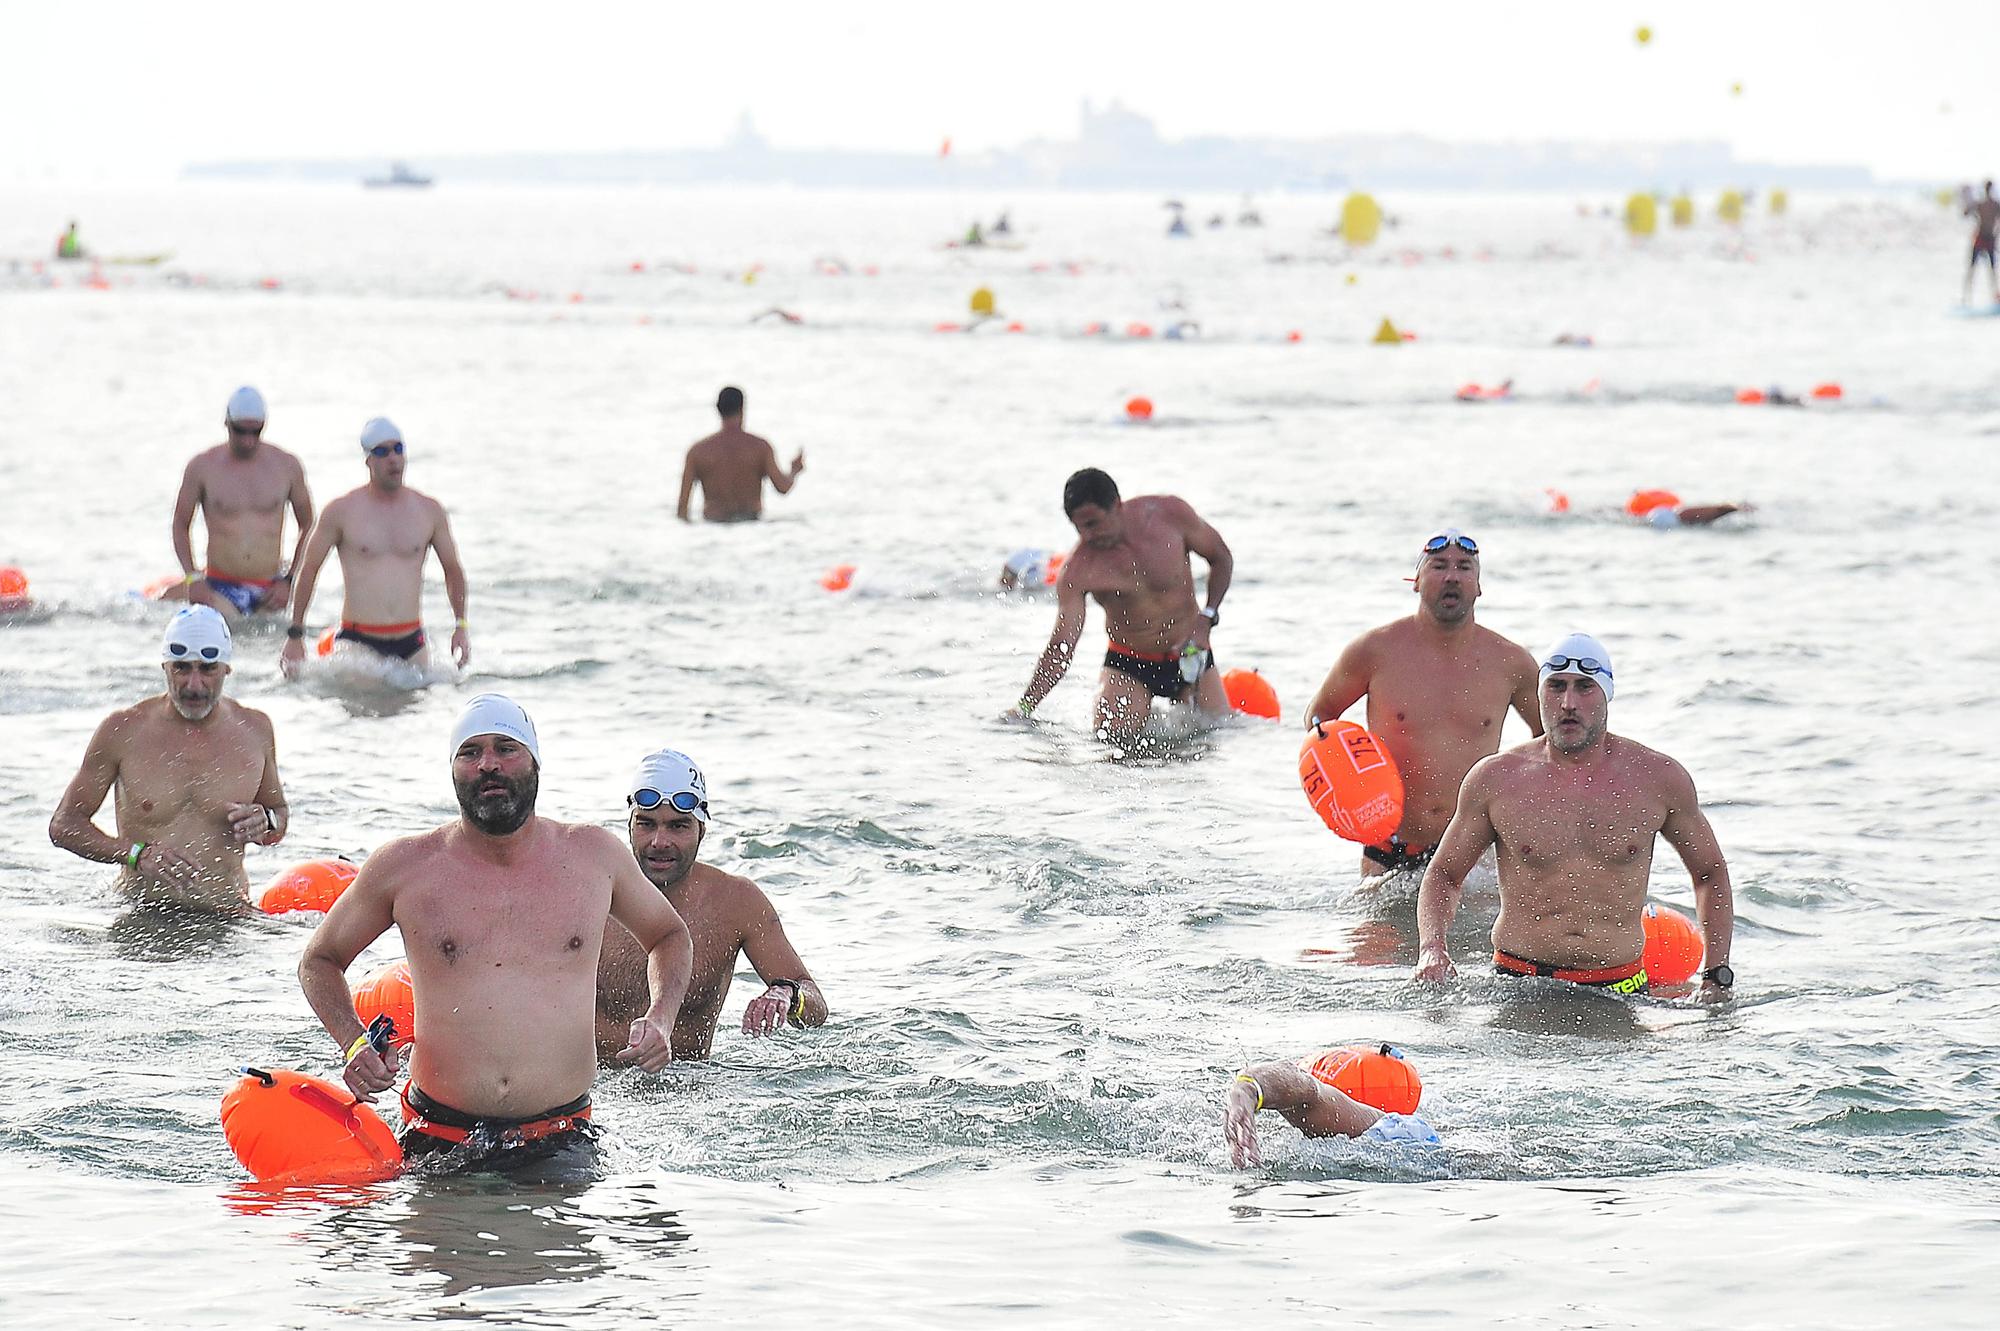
(496, 714)
(669, 777)
(196, 633)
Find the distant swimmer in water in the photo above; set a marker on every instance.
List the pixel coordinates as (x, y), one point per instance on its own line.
(1573, 815)
(1179, 226)
(974, 237)
(1002, 226)
(1693, 515)
(1030, 570)
(242, 488)
(1311, 1106)
(777, 313)
(69, 245)
(731, 467)
(1133, 557)
(382, 532)
(502, 914)
(666, 817)
(1438, 686)
(196, 776)
(1985, 214)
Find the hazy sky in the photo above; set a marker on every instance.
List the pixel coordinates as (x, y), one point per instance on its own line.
(92, 91)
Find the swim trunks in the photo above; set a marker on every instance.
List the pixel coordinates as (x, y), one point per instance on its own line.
(1401, 1129)
(1629, 978)
(431, 1128)
(246, 594)
(399, 640)
(1160, 674)
(1982, 248)
(1393, 854)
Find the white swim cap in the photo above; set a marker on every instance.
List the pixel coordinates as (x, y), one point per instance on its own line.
(1029, 567)
(1443, 540)
(196, 633)
(245, 404)
(669, 777)
(1665, 515)
(496, 714)
(380, 430)
(1581, 655)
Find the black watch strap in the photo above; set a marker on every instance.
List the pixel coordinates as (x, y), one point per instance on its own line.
(1722, 976)
(295, 630)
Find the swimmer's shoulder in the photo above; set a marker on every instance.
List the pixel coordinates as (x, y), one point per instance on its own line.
(250, 718)
(1504, 648)
(127, 722)
(1660, 770)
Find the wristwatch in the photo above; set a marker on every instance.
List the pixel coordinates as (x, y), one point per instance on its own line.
(270, 820)
(1213, 614)
(1720, 976)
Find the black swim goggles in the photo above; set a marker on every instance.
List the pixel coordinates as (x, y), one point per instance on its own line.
(684, 800)
(1589, 665)
(180, 649)
(384, 450)
(1459, 539)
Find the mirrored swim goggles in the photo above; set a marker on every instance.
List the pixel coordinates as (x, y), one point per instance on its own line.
(1447, 539)
(384, 450)
(1564, 665)
(686, 801)
(178, 650)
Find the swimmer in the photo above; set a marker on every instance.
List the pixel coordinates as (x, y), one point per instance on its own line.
(502, 913)
(1030, 569)
(731, 466)
(1985, 215)
(1003, 225)
(1438, 687)
(1573, 815)
(382, 532)
(242, 488)
(1133, 557)
(775, 312)
(1311, 1106)
(69, 245)
(1693, 515)
(196, 776)
(666, 818)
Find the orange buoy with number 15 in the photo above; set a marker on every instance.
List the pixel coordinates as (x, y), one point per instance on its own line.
(288, 1128)
(1378, 1076)
(1351, 781)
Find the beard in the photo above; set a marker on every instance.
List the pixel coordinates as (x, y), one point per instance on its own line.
(193, 709)
(496, 805)
(1577, 740)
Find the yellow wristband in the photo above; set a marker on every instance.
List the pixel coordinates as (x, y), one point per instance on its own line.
(464, 623)
(798, 1003)
(1244, 1076)
(190, 579)
(361, 1042)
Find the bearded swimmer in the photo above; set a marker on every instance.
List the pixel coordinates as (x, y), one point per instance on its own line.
(1573, 815)
(502, 914)
(1438, 687)
(666, 817)
(242, 488)
(382, 531)
(196, 776)
(1132, 556)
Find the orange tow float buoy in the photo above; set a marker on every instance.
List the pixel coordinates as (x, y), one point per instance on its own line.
(1139, 408)
(1558, 501)
(387, 992)
(1643, 502)
(1673, 946)
(838, 579)
(1351, 781)
(1750, 397)
(1827, 392)
(13, 588)
(1377, 1076)
(288, 1128)
(1250, 693)
(326, 641)
(1053, 569)
(314, 885)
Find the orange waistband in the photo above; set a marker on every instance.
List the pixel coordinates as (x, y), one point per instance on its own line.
(1607, 975)
(533, 1130)
(1137, 655)
(382, 630)
(261, 584)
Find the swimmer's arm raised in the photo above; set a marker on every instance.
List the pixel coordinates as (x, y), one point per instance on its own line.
(184, 506)
(362, 914)
(774, 957)
(658, 927)
(1344, 684)
(1308, 1104)
(687, 487)
(1689, 832)
(1055, 659)
(1465, 840)
(782, 481)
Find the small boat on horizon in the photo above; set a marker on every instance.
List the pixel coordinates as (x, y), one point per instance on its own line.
(399, 175)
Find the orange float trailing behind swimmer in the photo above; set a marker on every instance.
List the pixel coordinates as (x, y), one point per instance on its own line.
(1351, 781)
(326, 642)
(294, 1130)
(1750, 397)
(1139, 409)
(314, 885)
(387, 992)
(13, 588)
(838, 578)
(1827, 392)
(1643, 502)
(1379, 1077)
(1673, 946)
(1250, 693)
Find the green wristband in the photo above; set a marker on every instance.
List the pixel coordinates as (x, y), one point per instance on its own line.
(132, 855)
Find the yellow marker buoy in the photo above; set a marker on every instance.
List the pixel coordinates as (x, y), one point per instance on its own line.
(1946, 197)
(1387, 335)
(1735, 90)
(1683, 210)
(1730, 206)
(1353, 278)
(982, 301)
(1779, 202)
(1642, 215)
(1360, 219)
(1643, 36)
